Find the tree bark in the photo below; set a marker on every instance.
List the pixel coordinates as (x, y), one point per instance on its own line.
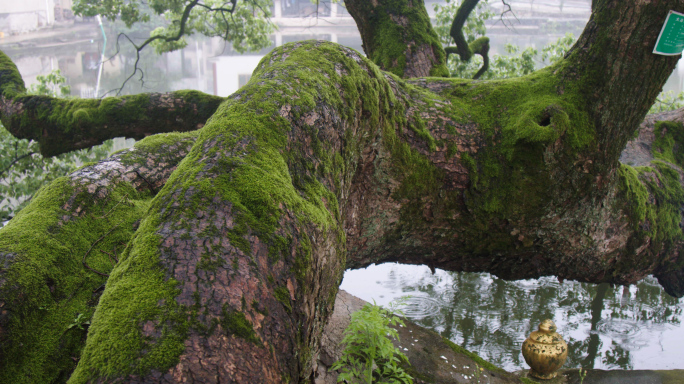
(324, 162)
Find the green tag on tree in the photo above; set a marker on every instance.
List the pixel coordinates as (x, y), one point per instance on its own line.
(671, 39)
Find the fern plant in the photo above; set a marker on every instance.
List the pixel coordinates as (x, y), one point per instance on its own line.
(369, 355)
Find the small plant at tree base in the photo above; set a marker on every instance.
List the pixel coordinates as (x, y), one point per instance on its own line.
(80, 322)
(369, 355)
(582, 374)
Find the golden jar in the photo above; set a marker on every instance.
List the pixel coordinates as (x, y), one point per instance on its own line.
(545, 351)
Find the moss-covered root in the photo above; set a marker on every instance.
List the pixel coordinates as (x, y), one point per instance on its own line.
(63, 125)
(55, 255)
(233, 272)
(398, 36)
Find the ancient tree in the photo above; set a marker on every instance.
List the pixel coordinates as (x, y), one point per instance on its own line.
(215, 254)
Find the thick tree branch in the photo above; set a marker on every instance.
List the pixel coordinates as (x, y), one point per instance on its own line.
(398, 37)
(601, 63)
(639, 151)
(63, 125)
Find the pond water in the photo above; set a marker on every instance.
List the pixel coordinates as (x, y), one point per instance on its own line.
(638, 327)
(606, 327)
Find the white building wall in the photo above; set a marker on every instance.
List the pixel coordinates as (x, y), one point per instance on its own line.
(231, 72)
(25, 15)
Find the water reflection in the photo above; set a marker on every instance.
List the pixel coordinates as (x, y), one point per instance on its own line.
(605, 327)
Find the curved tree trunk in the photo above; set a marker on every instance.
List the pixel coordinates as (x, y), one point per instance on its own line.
(324, 162)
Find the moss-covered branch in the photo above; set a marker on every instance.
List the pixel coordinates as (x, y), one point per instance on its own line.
(63, 125)
(47, 295)
(464, 50)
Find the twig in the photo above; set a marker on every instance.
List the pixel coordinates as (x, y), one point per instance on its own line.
(149, 185)
(15, 161)
(112, 258)
(110, 211)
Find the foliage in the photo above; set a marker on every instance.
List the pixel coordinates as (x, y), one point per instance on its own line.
(668, 101)
(243, 23)
(369, 355)
(517, 62)
(23, 170)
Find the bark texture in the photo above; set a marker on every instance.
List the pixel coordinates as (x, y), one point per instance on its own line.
(323, 162)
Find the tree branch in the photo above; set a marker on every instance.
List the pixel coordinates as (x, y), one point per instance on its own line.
(63, 125)
(464, 50)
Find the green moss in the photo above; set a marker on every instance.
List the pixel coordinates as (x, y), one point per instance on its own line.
(387, 41)
(525, 380)
(478, 44)
(137, 293)
(636, 195)
(282, 294)
(155, 142)
(47, 285)
(11, 83)
(418, 126)
(669, 195)
(257, 307)
(98, 119)
(652, 198)
(236, 324)
(519, 120)
(473, 356)
(668, 143)
(209, 263)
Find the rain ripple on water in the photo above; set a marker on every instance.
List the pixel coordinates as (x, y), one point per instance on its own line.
(625, 333)
(421, 306)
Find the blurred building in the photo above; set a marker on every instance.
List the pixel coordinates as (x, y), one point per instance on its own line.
(28, 15)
